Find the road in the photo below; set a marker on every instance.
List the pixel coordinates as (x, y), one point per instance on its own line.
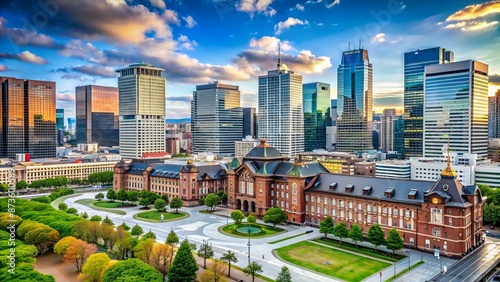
(471, 267)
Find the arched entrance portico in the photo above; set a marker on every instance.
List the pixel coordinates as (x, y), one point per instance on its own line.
(238, 204)
(245, 205)
(252, 207)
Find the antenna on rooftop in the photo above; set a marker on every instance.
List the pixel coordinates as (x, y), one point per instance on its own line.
(279, 55)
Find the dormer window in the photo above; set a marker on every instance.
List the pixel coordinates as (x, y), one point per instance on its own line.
(389, 192)
(413, 194)
(333, 185)
(349, 188)
(367, 190)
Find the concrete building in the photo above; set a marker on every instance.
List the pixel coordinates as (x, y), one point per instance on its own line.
(429, 168)
(142, 110)
(173, 145)
(241, 148)
(393, 169)
(334, 162)
(331, 130)
(391, 131)
(488, 174)
(494, 115)
(494, 150)
(250, 126)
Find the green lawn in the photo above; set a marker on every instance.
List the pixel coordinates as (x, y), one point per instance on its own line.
(90, 203)
(345, 266)
(154, 216)
(115, 204)
(287, 238)
(360, 249)
(404, 271)
(266, 230)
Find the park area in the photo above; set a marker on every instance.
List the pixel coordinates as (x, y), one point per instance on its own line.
(256, 230)
(329, 261)
(155, 216)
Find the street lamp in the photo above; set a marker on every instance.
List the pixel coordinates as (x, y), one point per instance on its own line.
(394, 269)
(409, 257)
(248, 246)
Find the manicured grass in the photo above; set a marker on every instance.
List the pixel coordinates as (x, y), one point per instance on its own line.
(287, 238)
(266, 230)
(342, 265)
(115, 204)
(59, 200)
(90, 203)
(155, 216)
(257, 275)
(360, 249)
(404, 271)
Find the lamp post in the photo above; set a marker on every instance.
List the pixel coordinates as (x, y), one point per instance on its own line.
(248, 246)
(409, 257)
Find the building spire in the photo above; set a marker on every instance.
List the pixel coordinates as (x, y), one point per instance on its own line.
(279, 55)
(448, 171)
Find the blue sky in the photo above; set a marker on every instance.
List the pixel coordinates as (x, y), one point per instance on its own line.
(76, 42)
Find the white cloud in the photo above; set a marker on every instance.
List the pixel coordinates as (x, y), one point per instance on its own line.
(25, 56)
(185, 43)
(190, 22)
(473, 12)
(3, 68)
(335, 2)
(471, 25)
(378, 38)
(270, 43)
(158, 4)
(282, 26)
(298, 7)
(255, 6)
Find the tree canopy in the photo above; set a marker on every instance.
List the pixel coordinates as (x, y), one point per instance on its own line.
(394, 241)
(131, 270)
(326, 226)
(284, 275)
(376, 235)
(274, 215)
(176, 203)
(355, 234)
(340, 230)
(93, 267)
(184, 266)
(211, 201)
(229, 257)
(253, 269)
(237, 216)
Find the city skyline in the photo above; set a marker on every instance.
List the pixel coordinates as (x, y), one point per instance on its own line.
(235, 41)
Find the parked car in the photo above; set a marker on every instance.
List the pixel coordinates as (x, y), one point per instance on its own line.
(488, 233)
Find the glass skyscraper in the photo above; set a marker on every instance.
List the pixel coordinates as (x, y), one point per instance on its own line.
(414, 64)
(494, 115)
(250, 127)
(316, 106)
(456, 107)
(60, 119)
(281, 121)
(97, 115)
(28, 123)
(354, 102)
(142, 110)
(216, 118)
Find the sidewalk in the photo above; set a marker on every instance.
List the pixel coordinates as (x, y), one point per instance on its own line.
(236, 274)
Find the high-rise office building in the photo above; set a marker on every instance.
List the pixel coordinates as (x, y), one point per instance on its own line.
(216, 118)
(142, 110)
(414, 64)
(494, 116)
(28, 123)
(388, 129)
(250, 127)
(60, 119)
(331, 128)
(280, 117)
(316, 106)
(355, 102)
(71, 126)
(97, 115)
(456, 108)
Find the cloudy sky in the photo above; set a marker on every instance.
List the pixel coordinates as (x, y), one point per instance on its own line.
(77, 42)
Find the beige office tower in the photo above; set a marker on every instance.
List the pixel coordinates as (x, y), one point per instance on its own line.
(142, 110)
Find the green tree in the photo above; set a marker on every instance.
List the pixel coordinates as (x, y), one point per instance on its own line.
(223, 198)
(131, 270)
(251, 219)
(165, 198)
(376, 235)
(111, 195)
(122, 196)
(93, 267)
(184, 266)
(85, 215)
(124, 226)
(326, 226)
(149, 235)
(237, 216)
(274, 215)
(96, 218)
(136, 230)
(355, 234)
(160, 204)
(144, 249)
(62, 206)
(394, 241)
(99, 196)
(63, 244)
(253, 269)
(176, 203)
(21, 185)
(211, 201)
(284, 275)
(132, 196)
(172, 238)
(144, 202)
(206, 252)
(4, 187)
(108, 221)
(340, 230)
(72, 211)
(229, 257)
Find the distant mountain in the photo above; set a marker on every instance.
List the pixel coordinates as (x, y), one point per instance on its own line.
(178, 120)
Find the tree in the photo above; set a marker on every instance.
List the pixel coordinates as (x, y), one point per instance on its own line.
(340, 230)
(176, 203)
(42, 236)
(355, 234)
(122, 196)
(62, 206)
(376, 235)
(99, 196)
(63, 244)
(85, 215)
(274, 215)
(172, 238)
(165, 198)
(108, 221)
(144, 249)
(251, 219)
(131, 270)
(237, 216)
(252, 269)
(211, 201)
(136, 230)
(206, 252)
(215, 272)
(160, 204)
(124, 226)
(184, 266)
(111, 195)
(132, 196)
(92, 269)
(108, 234)
(326, 226)
(394, 241)
(223, 198)
(4, 187)
(78, 253)
(72, 211)
(21, 185)
(96, 218)
(229, 257)
(284, 275)
(149, 234)
(161, 258)
(144, 202)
